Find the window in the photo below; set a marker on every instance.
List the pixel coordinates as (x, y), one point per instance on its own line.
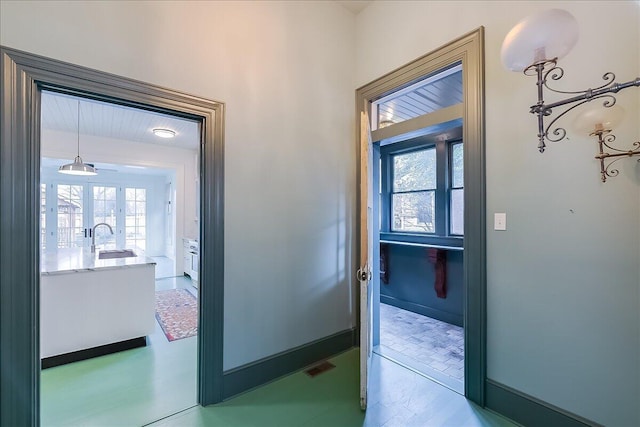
(104, 210)
(413, 200)
(43, 216)
(135, 217)
(422, 189)
(70, 210)
(456, 196)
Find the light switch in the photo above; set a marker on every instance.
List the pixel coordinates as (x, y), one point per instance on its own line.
(499, 221)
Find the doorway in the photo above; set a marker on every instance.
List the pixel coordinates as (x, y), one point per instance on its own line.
(24, 77)
(404, 221)
(130, 322)
(420, 207)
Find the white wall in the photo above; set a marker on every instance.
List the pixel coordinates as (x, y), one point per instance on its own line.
(563, 280)
(285, 72)
(174, 160)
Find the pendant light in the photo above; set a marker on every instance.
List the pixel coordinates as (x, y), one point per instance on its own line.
(78, 167)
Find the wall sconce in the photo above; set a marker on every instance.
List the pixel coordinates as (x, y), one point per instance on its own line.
(533, 47)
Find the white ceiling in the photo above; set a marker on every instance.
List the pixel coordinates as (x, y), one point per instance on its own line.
(102, 119)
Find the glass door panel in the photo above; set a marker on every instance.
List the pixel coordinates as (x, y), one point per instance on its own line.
(104, 211)
(70, 211)
(136, 218)
(43, 216)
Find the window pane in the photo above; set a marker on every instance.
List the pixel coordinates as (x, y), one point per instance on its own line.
(457, 165)
(457, 212)
(135, 220)
(110, 208)
(98, 208)
(104, 211)
(70, 226)
(414, 212)
(380, 195)
(43, 216)
(414, 171)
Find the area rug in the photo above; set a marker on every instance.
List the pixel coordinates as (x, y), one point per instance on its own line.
(177, 313)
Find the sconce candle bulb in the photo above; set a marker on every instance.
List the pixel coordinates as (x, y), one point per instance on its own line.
(596, 119)
(533, 47)
(600, 122)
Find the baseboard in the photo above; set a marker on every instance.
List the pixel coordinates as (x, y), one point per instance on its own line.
(423, 310)
(257, 373)
(76, 356)
(528, 410)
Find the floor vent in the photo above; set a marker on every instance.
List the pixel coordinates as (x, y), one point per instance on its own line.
(320, 368)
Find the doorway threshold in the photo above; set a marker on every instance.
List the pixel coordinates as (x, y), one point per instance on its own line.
(420, 368)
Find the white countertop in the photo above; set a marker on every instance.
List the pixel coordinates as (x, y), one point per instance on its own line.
(76, 260)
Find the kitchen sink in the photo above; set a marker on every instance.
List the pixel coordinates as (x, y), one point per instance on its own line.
(116, 253)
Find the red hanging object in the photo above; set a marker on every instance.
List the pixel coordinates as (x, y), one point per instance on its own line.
(439, 258)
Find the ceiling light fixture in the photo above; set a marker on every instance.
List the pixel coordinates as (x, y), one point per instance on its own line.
(164, 133)
(78, 167)
(533, 47)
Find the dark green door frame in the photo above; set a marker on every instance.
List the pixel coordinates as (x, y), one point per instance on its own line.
(23, 76)
(469, 51)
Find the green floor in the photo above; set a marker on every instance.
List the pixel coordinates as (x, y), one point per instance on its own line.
(329, 399)
(129, 388)
(138, 387)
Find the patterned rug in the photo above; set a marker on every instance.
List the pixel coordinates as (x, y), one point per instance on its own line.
(177, 313)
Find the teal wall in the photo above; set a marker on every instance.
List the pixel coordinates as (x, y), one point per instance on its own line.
(563, 281)
(411, 283)
(288, 88)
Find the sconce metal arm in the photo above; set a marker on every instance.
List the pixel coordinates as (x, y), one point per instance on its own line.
(605, 141)
(545, 70)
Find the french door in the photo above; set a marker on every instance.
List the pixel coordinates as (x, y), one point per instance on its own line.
(70, 210)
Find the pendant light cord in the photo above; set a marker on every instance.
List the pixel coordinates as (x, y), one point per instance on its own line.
(78, 128)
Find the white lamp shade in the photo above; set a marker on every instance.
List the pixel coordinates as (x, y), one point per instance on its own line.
(598, 118)
(544, 36)
(78, 167)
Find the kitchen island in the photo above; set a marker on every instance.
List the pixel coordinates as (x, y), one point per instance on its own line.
(91, 307)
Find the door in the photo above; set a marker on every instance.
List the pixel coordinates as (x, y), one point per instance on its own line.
(366, 255)
(70, 210)
(71, 214)
(104, 210)
(75, 209)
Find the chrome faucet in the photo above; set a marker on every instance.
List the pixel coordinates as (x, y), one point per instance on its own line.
(93, 235)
